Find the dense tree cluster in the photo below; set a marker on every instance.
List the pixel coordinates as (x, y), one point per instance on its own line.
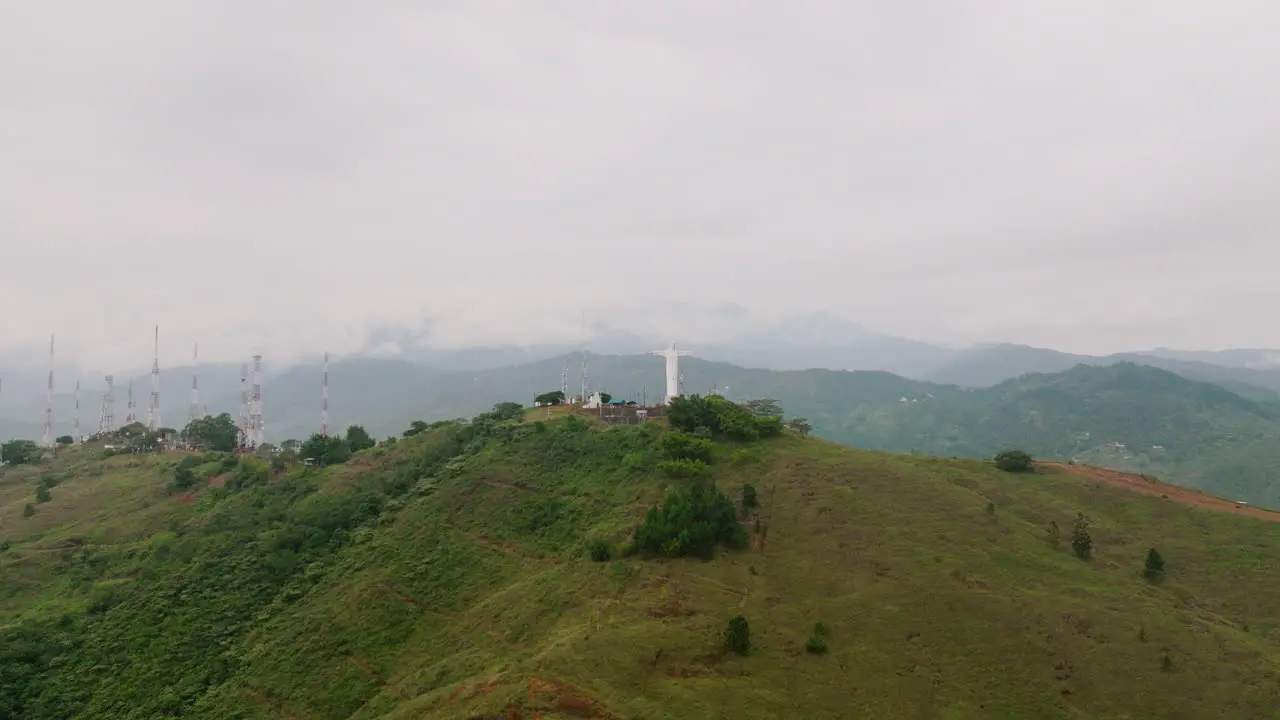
(691, 521)
(19, 452)
(717, 417)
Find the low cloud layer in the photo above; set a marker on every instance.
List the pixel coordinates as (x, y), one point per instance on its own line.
(1092, 175)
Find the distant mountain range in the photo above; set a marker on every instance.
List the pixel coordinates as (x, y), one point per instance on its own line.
(1198, 417)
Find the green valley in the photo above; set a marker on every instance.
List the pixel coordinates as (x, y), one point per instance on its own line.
(541, 564)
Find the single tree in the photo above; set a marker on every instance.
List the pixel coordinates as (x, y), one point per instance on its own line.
(1081, 541)
(799, 426)
(1014, 461)
(291, 445)
(764, 407)
(65, 440)
(358, 439)
(42, 494)
(213, 432)
(416, 427)
(1054, 534)
(737, 636)
(606, 397)
(28, 510)
(1153, 568)
(554, 397)
(748, 496)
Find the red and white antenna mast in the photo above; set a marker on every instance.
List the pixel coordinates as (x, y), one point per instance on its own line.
(153, 409)
(48, 404)
(194, 413)
(129, 418)
(324, 399)
(242, 421)
(75, 421)
(255, 409)
(107, 420)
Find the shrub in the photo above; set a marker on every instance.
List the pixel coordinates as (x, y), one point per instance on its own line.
(42, 494)
(684, 469)
(28, 510)
(183, 478)
(600, 551)
(737, 636)
(677, 445)
(1081, 541)
(748, 496)
(633, 461)
(1153, 568)
(820, 629)
(1014, 461)
(816, 645)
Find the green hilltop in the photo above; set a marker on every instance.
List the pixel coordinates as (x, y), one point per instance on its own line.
(540, 564)
(1123, 415)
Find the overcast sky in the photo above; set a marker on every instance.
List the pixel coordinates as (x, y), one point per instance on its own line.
(1091, 175)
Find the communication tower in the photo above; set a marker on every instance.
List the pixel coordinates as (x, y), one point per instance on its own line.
(255, 409)
(107, 418)
(194, 413)
(324, 399)
(153, 409)
(242, 422)
(48, 404)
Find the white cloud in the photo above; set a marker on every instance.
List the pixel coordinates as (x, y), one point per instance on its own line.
(1088, 175)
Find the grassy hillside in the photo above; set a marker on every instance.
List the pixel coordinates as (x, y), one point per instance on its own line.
(1210, 438)
(447, 576)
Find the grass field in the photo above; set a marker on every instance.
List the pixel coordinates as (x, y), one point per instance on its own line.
(467, 592)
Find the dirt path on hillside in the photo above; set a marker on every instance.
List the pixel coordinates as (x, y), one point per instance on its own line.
(1139, 484)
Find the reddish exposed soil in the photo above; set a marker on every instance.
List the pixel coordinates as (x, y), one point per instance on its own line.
(1140, 484)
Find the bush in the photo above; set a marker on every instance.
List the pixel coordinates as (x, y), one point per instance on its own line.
(633, 461)
(1153, 568)
(42, 494)
(737, 636)
(183, 478)
(820, 629)
(816, 645)
(28, 510)
(600, 551)
(1081, 540)
(684, 469)
(677, 445)
(1015, 461)
(748, 496)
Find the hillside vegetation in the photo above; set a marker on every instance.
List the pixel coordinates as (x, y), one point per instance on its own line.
(1127, 417)
(551, 567)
